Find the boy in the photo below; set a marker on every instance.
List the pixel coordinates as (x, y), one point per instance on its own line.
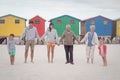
(11, 48)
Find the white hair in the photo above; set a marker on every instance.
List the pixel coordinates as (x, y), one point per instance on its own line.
(92, 26)
(68, 25)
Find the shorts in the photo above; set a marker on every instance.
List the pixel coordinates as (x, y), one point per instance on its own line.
(51, 44)
(102, 54)
(12, 52)
(29, 43)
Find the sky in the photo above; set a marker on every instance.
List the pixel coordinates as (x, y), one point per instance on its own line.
(49, 9)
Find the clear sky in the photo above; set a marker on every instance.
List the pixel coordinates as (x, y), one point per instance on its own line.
(48, 9)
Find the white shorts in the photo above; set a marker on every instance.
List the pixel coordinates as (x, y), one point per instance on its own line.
(90, 51)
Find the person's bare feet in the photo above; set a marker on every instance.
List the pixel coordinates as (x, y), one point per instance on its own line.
(51, 61)
(25, 62)
(32, 62)
(48, 61)
(12, 64)
(104, 65)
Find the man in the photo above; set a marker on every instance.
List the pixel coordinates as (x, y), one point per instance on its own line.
(68, 37)
(91, 39)
(30, 33)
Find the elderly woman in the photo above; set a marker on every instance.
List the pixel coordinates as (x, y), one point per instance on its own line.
(91, 39)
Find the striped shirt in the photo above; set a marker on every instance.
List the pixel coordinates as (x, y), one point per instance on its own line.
(30, 33)
(11, 44)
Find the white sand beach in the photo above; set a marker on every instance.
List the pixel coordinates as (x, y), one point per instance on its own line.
(41, 70)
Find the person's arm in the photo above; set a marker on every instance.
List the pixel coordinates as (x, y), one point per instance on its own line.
(99, 47)
(8, 45)
(36, 34)
(74, 36)
(96, 39)
(23, 34)
(105, 49)
(84, 39)
(45, 34)
(62, 37)
(56, 35)
(16, 42)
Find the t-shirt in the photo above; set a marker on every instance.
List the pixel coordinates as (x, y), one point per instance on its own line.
(11, 44)
(90, 37)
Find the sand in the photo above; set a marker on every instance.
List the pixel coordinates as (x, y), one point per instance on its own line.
(41, 70)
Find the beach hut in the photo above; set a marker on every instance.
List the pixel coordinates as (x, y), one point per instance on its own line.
(39, 23)
(11, 24)
(61, 22)
(104, 26)
(118, 27)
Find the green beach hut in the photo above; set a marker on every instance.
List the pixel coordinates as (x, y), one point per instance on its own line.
(61, 22)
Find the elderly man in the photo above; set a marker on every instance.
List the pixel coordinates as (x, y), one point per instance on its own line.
(91, 39)
(30, 33)
(68, 37)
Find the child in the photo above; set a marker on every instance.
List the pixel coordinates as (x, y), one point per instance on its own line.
(102, 51)
(11, 48)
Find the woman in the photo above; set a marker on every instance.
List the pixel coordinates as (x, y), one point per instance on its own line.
(91, 39)
(51, 40)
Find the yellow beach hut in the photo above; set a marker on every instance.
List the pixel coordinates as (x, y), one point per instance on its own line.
(11, 24)
(118, 27)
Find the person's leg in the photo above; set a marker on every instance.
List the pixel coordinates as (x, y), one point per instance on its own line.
(26, 55)
(11, 60)
(32, 51)
(10, 53)
(67, 53)
(88, 53)
(48, 52)
(13, 57)
(32, 55)
(26, 50)
(92, 53)
(71, 54)
(105, 61)
(52, 51)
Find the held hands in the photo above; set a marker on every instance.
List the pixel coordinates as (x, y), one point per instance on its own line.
(20, 42)
(58, 44)
(80, 42)
(41, 42)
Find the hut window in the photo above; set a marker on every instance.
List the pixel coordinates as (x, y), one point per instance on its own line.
(2, 21)
(105, 22)
(59, 21)
(17, 21)
(92, 21)
(72, 21)
(37, 21)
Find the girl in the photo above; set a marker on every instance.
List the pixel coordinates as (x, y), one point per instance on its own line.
(11, 48)
(102, 51)
(52, 40)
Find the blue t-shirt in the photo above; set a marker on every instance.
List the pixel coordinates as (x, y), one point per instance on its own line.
(90, 37)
